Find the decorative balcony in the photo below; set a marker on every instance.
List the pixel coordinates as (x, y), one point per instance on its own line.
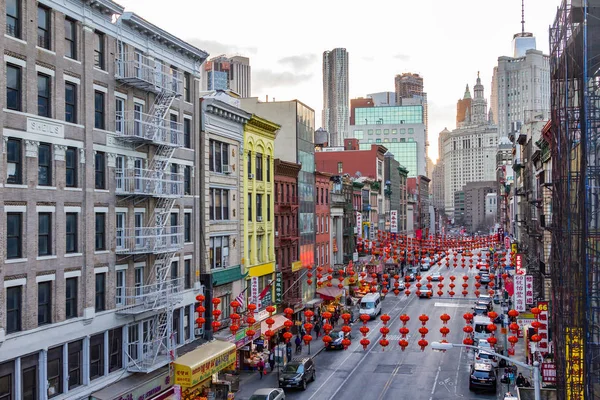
(152, 297)
(145, 73)
(145, 182)
(145, 240)
(145, 128)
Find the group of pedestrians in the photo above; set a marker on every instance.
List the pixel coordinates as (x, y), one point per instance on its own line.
(260, 366)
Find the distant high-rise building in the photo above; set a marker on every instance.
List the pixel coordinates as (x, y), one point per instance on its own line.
(409, 92)
(359, 103)
(233, 73)
(463, 108)
(383, 98)
(335, 95)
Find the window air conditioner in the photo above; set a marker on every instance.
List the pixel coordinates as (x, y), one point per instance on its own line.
(226, 169)
(250, 176)
(259, 219)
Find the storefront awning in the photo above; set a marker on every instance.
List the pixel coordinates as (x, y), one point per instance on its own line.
(136, 386)
(198, 365)
(279, 320)
(330, 293)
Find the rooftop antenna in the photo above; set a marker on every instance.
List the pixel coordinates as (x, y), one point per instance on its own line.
(523, 16)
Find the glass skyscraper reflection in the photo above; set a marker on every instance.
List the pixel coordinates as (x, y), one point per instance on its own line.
(388, 115)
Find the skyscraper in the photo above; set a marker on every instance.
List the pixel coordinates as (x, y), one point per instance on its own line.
(336, 110)
(234, 73)
(409, 92)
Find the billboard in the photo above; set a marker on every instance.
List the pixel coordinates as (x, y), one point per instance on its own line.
(574, 362)
(519, 293)
(529, 289)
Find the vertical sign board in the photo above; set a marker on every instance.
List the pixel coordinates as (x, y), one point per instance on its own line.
(519, 263)
(519, 295)
(574, 362)
(543, 329)
(359, 224)
(529, 289)
(254, 291)
(394, 221)
(549, 372)
(278, 288)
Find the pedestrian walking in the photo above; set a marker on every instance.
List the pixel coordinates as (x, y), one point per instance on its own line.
(288, 351)
(261, 367)
(272, 359)
(317, 329)
(298, 342)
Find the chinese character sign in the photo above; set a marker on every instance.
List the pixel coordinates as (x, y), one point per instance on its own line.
(519, 294)
(359, 224)
(549, 372)
(254, 291)
(529, 289)
(278, 288)
(543, 329)
(519, 262)
(394, 221)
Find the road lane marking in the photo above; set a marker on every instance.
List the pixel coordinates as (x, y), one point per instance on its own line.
(452, 305)
(437, 375)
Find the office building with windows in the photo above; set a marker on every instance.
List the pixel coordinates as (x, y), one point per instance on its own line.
(336, 99)
(98, 201)
(228, 73)
(222, 202)
(399, 128)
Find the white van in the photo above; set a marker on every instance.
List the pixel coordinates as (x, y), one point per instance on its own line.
(480, 330)
(370, 304)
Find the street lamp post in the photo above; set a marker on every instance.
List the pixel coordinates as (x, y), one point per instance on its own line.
(535, 368)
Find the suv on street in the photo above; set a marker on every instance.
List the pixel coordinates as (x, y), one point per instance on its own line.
(297, 373)
(482, 377)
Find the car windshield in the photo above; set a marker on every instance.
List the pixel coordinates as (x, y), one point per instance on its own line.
(294, 368)
(367, 305)
(486, 356)
(482, 374)
(480, 328)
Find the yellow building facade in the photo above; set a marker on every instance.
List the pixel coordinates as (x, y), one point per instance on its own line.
(259, 199)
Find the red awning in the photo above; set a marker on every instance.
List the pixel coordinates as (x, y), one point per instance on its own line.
(329, 293)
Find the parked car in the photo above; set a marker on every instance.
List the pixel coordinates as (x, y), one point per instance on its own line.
(483, 377)
(297, 373)
(268, 394)
(435, 277)
(485, 357)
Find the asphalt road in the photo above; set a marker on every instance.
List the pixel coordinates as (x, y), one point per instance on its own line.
(377, 374)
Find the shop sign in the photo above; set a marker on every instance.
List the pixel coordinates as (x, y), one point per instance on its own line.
(543, 329)
(254, 291)
(519, 287)
(548, 372)
(296, 266)
(267, 300)
(507, 242)
(187, 377)
(394, 221)
(278, 288)
(529, 289)
(574, 359)
(148, 389)
(359, 224)
(519, 262)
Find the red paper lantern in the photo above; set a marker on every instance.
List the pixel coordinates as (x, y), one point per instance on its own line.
(536, 311)
(513, 340)
(445, 318)
(365, 318)
(423, 331)
(513, 313)
(364, 342)
(535, 338)
(404, 331)
(467, 329)
(403, 343)
(493, 315)
(492, 340)
(345, 343)
(514, 327)
(251, 333)
(468, 341)
(423, 318)
(307, 339)
(327, 339)
(444, 331)
(287, 336)
(422, 343)
(270, 309)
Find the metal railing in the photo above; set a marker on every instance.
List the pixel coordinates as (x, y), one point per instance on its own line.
(155, 239)
(146, 182)
(288, 201)
(147, 74)
(137, 126)
(150, 354)
(152, 297)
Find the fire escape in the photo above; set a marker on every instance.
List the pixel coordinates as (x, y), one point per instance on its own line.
(159, 184)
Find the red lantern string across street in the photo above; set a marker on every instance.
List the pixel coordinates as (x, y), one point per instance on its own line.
(200, 310)
(234, 317)
(216, 314)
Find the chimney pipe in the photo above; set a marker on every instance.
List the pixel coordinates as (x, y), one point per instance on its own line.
(267, 99)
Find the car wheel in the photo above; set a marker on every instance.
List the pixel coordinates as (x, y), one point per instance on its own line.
(303, 385)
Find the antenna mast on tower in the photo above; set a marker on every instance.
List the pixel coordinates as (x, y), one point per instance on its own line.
(522, 16)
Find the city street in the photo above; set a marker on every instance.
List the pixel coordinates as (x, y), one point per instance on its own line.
(392, 373)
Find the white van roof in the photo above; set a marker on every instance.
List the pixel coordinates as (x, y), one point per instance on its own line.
(480, 319)
(370, 297)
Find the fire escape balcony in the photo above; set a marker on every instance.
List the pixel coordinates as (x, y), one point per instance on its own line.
(288, 202)
(153, 297)
(143, 128)
(145, 182)
(144, 73)
(289, 235)
(149, 240)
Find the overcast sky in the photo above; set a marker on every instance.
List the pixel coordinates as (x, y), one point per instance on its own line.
(446, 42)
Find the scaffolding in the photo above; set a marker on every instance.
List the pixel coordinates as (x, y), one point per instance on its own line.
(575, 260)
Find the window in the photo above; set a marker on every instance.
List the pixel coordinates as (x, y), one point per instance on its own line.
(187, 274)
(13, 87)
(187, 133)
(54, 370)
(258, 206)
(174, 224)
(187, 83)
(411, 130)
(44, 164)
(259, 167)
(139, 280)
(29, 377)
(71, 298)
(13, 309)
(71, 167)
(115, 352)
(187, 180)
(74, 363)
(100, 291)
(14, 226)
(13, 18)
(219, 204)
(120, 109)
(71, 233)
(268, 168)
(249, 164)
(120, 287)
(99, 168)
(43, 82)
(187, 227)
(249, 206)
(44, 303)
(175, 179)
(173, 123)
(97, 353)
(139, 223)
(13, 161)
(219, 251)
(218, 156)
(70, 38)
(99, 50)
(70, 102)
(268, 207)
(44, 234)
(120, 231)
(99, 110)
(43, 29)
(340, 167)
(100, 241)
(133, 336)
(174, 270)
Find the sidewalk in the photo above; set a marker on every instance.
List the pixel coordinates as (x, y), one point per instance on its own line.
(250, 381)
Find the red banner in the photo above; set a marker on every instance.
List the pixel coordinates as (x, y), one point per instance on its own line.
(548, 372)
